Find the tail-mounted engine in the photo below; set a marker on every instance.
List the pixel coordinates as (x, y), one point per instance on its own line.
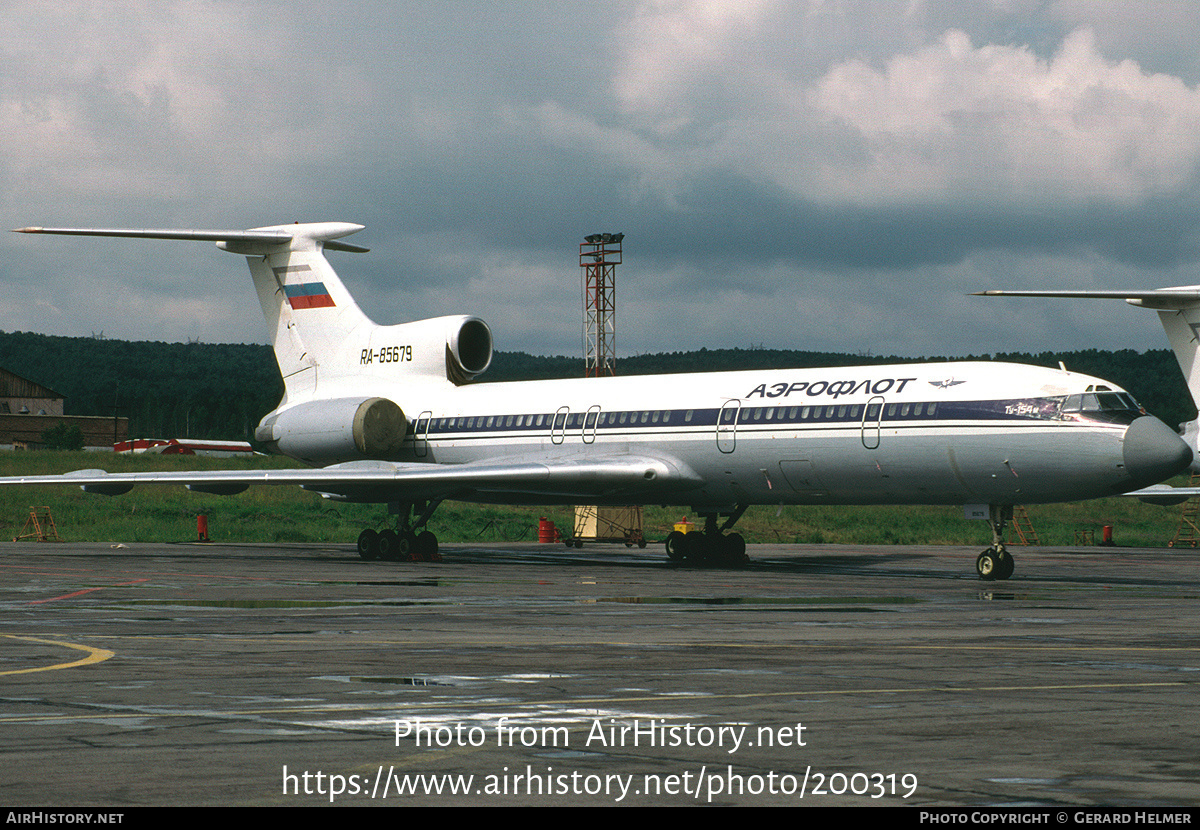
(342, 429)
(457, 348)
(468, 350)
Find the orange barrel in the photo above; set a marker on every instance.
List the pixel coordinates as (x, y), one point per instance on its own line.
(1107, 535)
(546, 531)
(202, 528)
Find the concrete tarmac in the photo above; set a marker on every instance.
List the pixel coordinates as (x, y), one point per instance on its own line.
(515, 674)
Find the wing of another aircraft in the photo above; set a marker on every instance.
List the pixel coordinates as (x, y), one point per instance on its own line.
(1160, 298)
(1164, 495)
(591, 476)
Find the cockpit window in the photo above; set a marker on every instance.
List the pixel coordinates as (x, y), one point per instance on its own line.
(1100, 402)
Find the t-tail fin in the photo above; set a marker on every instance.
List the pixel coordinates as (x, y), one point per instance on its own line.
(309, 312)
(310, 315)
(325, 346)
(1181, 320)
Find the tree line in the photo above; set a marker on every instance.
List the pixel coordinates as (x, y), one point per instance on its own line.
(215, 390)
(194, 390)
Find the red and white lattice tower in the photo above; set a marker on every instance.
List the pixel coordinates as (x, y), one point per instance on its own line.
(599, 256)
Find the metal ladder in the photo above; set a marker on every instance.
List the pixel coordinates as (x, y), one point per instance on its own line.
(1188, 533)
(43, 526)
(1023, 526)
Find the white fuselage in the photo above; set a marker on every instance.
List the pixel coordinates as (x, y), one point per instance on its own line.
(945, 433)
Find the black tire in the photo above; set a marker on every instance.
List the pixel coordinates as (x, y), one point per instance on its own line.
(426, 546)
(735, 549)
(1005, 566)
(368, 544)
(675, 546)
(389, 545)
(697, 548)
(986, 565)
(407, 547)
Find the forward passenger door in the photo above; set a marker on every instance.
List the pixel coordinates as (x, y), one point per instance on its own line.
(727, 420)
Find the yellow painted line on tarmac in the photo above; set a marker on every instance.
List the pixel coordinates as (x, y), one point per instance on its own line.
(94, 655)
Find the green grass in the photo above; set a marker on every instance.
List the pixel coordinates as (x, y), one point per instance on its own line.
(288, 514)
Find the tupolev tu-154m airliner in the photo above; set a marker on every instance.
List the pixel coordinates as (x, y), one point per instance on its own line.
(389, 414)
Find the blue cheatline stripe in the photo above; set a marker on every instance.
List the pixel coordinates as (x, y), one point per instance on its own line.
(764, 417)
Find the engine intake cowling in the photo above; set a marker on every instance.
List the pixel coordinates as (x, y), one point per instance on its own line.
(468, 350)
(336, 430)
(458, 348)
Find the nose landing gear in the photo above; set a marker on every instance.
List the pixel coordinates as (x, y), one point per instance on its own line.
(996, 562)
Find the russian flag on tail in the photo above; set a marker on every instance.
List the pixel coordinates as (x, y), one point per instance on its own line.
(308, 295)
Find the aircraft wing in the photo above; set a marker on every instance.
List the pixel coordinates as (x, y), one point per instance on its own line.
(522, 478)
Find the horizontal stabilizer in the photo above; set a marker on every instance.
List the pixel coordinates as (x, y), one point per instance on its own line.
(272, 236)
(325, 232)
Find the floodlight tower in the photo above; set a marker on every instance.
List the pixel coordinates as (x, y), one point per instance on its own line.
(599, 256)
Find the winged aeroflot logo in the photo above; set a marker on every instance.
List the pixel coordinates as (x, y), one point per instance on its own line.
(946, 384)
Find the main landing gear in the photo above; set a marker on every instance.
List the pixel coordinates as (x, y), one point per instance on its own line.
(712, 546)
(996, 562)
(410, 542)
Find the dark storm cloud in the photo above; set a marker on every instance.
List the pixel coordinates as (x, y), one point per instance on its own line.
(872, 160)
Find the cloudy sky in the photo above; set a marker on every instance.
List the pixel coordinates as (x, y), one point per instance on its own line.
(817, 175)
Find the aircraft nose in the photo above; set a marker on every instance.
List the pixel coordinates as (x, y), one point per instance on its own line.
(1153, 452)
